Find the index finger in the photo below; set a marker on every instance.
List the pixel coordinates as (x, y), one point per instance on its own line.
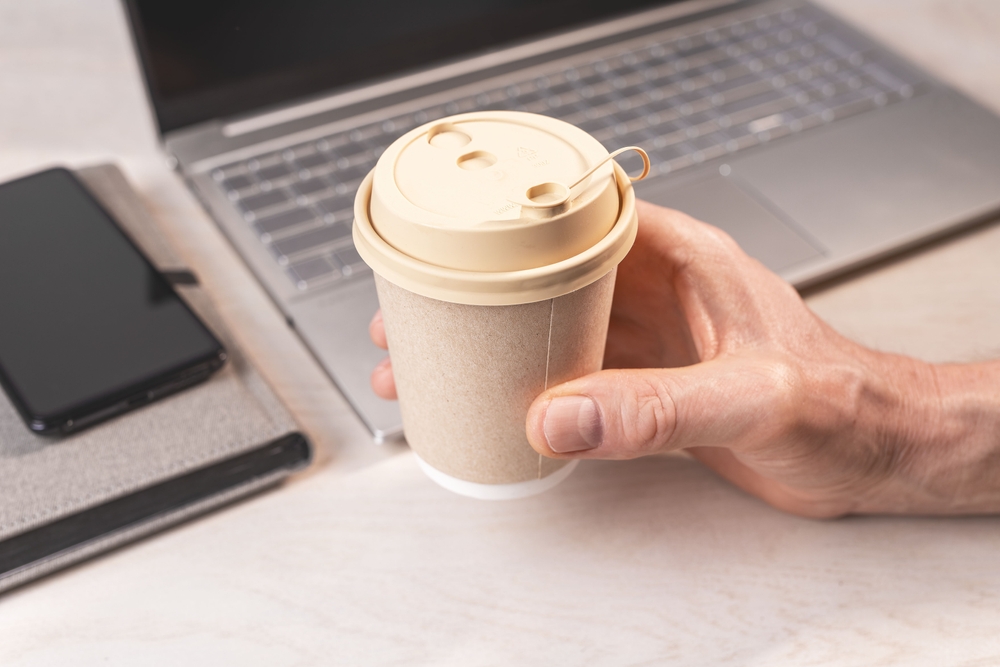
(376, 329)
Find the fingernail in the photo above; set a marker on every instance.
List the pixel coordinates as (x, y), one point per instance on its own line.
(572, 424)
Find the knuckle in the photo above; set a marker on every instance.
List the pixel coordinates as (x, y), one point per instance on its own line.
(721, 242)
(707, 248)
(784, 382)
(647, 417)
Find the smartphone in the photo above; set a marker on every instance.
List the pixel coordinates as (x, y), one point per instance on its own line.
(88, 327)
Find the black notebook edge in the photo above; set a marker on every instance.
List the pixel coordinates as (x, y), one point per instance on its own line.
(77, 537)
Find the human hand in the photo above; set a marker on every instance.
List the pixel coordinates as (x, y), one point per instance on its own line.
(711, 353)
(382, 380)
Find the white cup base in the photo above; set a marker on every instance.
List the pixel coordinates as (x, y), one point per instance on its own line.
(496, 491)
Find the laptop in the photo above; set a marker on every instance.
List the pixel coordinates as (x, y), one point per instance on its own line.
(816, 148)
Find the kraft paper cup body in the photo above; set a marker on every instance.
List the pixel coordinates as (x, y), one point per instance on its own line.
(472, 348)
(467, 374)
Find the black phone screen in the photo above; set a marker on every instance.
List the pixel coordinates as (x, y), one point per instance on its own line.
(85, 319)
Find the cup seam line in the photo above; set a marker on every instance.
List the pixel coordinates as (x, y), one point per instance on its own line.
(548, 358)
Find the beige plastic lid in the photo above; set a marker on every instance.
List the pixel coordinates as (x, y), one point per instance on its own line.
(493, 208)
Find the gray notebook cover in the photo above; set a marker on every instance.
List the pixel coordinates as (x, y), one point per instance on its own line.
(63, 499)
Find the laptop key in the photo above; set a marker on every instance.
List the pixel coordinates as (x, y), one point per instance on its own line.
(274, 172)
(431, 113)
(238, 182)
(847, 105)
(353, 173)
(310, 271)
(279, 222)
(733, 80)
(538, 106)
(315, 238)
(735, 99)
(312, 161)
(310, 186)
(263, 200)
(332, 141)
(398, 125)
(774, 133)
(660, 155)
(351, 263)
(337, 203)
(593, 125)
(365, 132)
(642, 137)
(803, 120)
(706, 143)
(263, 161)
(626, 114)
(350, 150)
(665, 136)
(765, 106)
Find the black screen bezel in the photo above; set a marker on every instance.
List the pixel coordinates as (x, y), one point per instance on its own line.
(269, 90)
(144, 390)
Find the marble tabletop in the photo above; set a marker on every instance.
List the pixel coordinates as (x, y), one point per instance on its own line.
(363, 561)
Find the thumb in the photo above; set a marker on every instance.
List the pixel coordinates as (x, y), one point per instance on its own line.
(623, 414)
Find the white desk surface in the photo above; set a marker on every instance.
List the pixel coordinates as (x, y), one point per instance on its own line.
(362, 560)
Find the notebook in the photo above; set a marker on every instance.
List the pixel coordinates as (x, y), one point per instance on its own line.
(65, 499)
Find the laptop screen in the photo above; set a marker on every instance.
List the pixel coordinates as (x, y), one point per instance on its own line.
(208, 59)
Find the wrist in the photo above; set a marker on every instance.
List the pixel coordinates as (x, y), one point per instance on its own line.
(940, 435)
(960, 458)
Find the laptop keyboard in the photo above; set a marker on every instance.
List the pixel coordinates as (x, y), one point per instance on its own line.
(685, 100)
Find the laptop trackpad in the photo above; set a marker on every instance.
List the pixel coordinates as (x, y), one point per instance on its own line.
(885, 177)
(720, 202)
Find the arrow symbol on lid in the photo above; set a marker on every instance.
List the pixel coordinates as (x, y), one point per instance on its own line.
(525, 152)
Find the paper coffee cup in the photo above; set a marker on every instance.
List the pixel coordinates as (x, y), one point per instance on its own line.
(495, 266)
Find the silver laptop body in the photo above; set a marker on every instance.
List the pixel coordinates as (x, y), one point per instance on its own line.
(817, 149)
